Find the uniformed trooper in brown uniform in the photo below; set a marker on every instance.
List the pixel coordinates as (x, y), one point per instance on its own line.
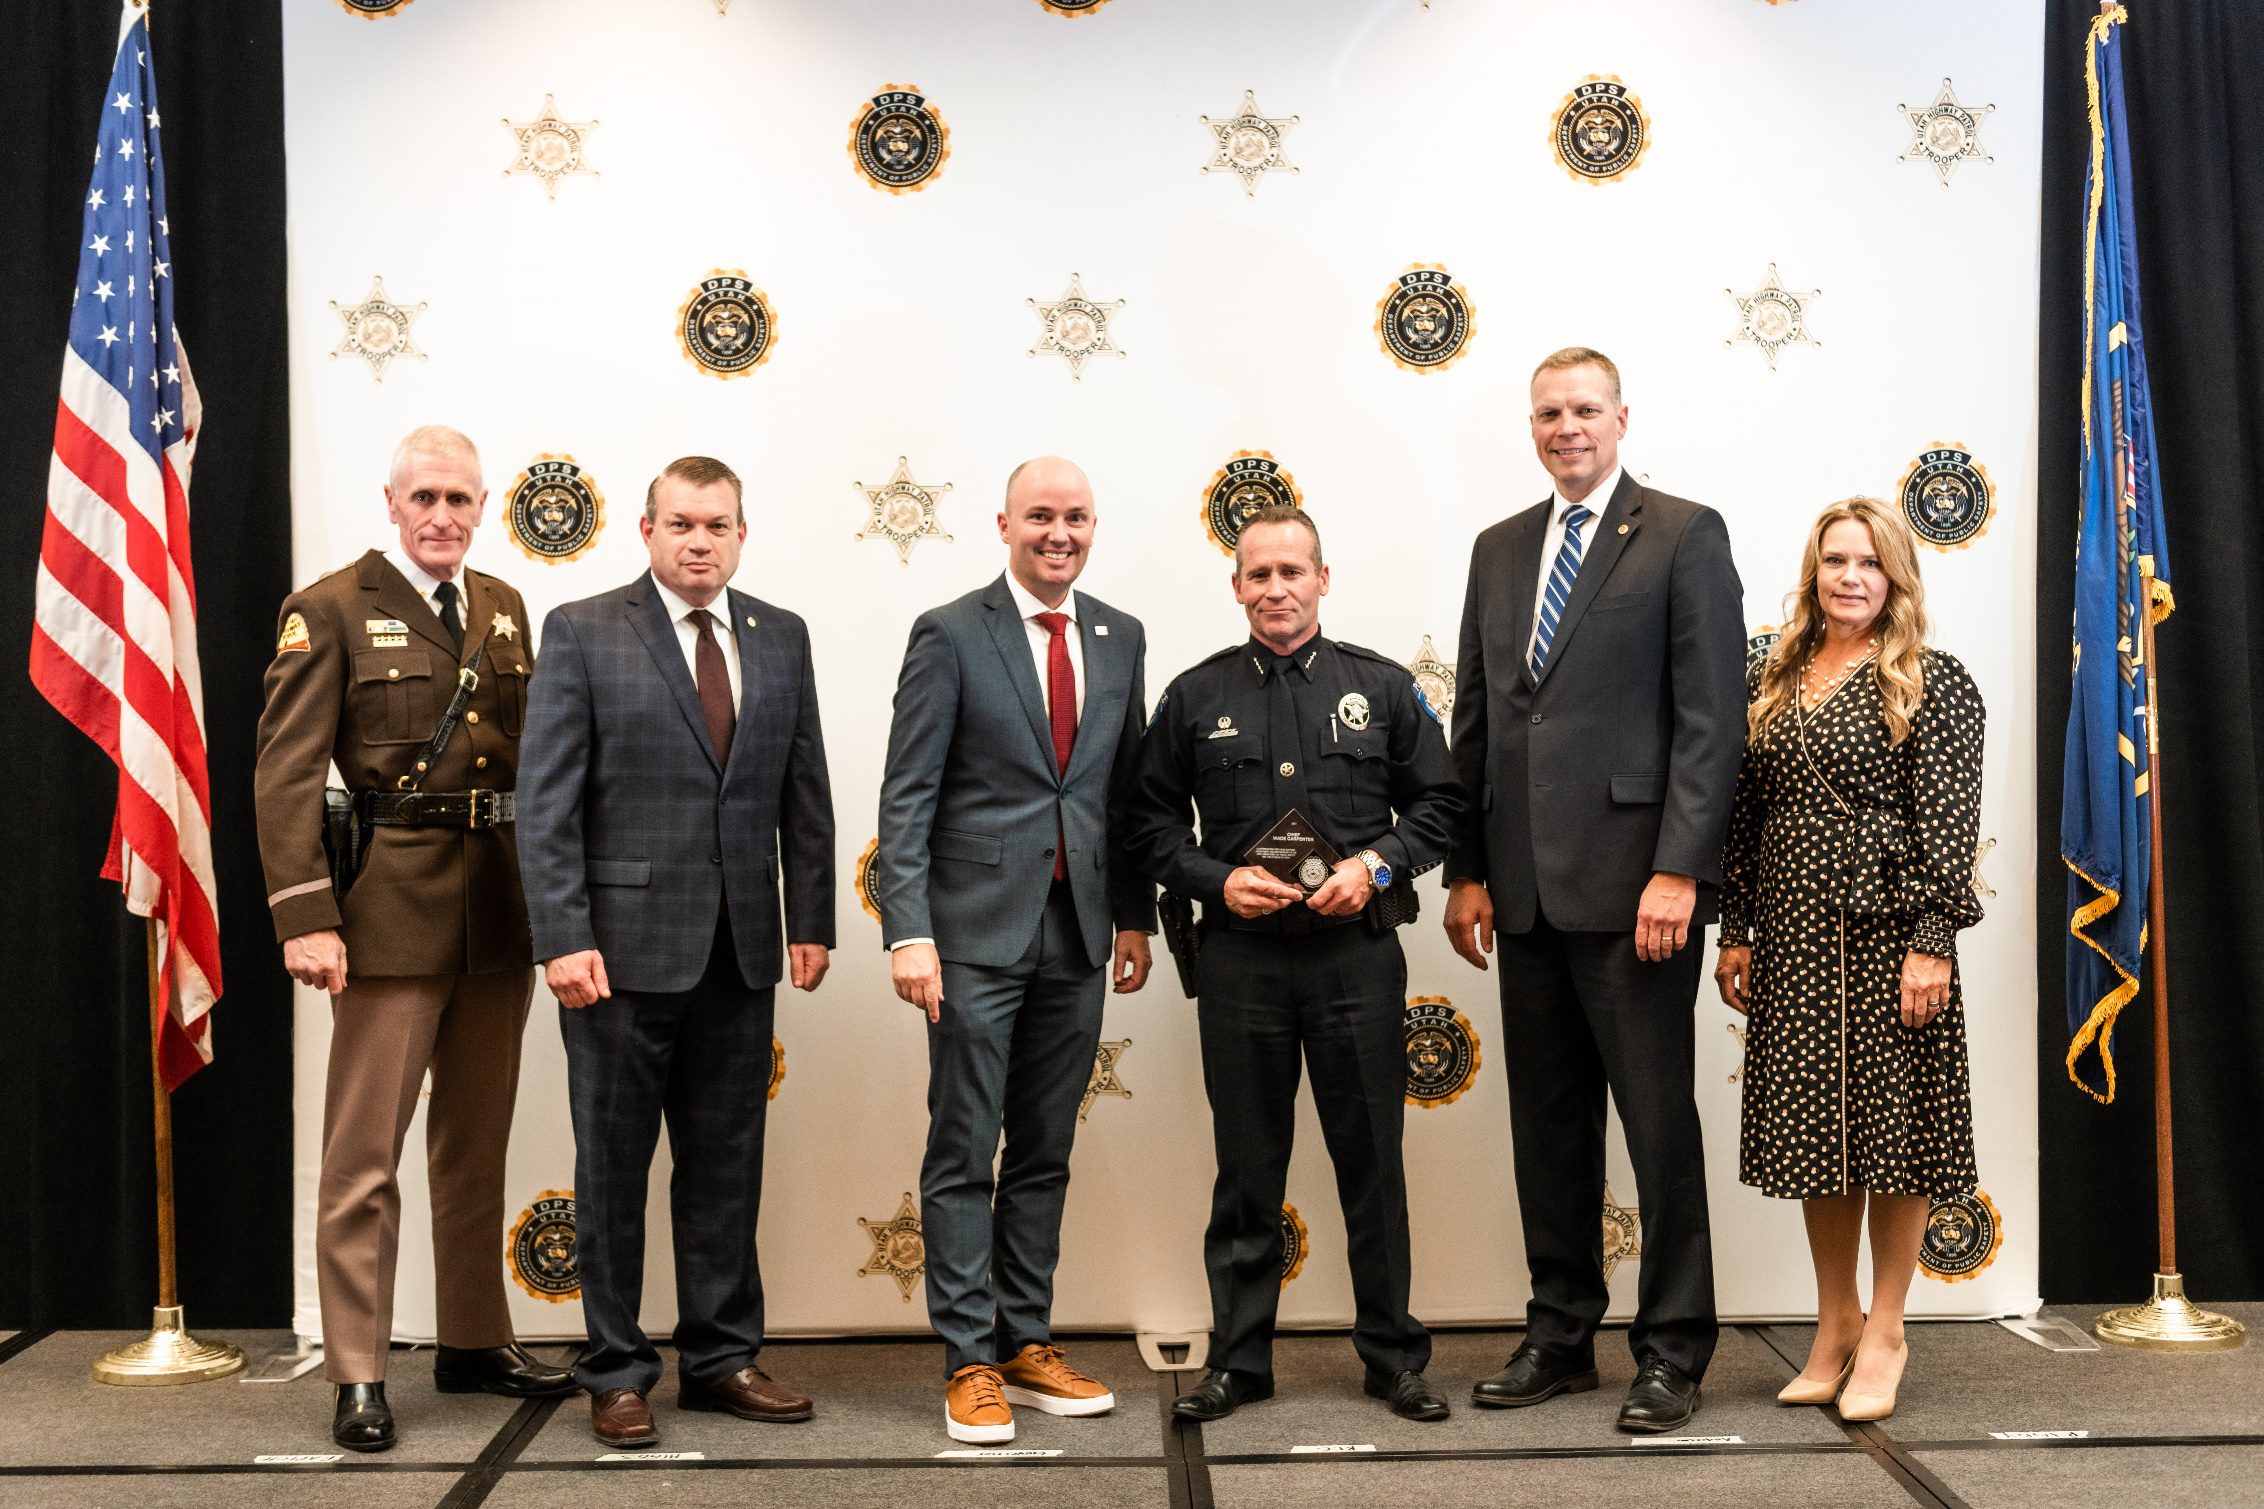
(426, 957)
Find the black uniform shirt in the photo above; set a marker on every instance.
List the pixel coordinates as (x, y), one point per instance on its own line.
(1336, 731)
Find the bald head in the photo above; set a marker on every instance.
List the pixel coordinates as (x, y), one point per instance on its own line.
(1047, 525)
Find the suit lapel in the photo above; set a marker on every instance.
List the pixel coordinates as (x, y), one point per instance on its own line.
(648, 615)
(1013, 640)
(1612, 532)
(746, 629)
(397, 599)
(1103, 678)
(479, 611)
(1525, 578)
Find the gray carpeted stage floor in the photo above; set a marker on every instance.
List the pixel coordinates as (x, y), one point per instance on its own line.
(2144, 1431)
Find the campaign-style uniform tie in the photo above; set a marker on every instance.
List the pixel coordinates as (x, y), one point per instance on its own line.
(1061, 706)
(450, 619)
(715, 685)
(1560, 584)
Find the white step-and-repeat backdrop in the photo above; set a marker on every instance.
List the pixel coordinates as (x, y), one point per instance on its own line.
(1627, 175)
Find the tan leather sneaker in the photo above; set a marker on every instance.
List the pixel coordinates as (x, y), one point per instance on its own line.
(975, 1408)
(1042, 1378)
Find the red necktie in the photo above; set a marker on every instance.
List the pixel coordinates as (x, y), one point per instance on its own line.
(1061, 705)
(714, 680)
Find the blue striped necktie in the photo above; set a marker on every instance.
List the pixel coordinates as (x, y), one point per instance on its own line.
(1560, 584)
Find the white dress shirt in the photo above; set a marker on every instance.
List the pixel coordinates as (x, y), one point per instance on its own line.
(688, 634)
(424, 581)
(1041, 641)
(1552, 541)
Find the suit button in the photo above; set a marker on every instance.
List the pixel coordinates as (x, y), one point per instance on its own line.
(1049, 853)
(471, 717)
(480, 763)
(715, 859)
(1288, 769)
(1536, 717)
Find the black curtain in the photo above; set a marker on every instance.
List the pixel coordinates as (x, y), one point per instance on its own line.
(2197, 151)
(78, 1233)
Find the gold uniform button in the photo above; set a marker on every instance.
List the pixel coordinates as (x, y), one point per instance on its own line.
(1287, 768)
(480, 763)
(393, 673)
(471, 717)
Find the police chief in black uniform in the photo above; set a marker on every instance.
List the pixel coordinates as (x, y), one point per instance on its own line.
(1290, 719)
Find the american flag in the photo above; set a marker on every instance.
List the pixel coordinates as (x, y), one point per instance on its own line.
(114, 642)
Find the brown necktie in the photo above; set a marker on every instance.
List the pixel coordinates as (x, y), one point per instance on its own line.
(715, 685)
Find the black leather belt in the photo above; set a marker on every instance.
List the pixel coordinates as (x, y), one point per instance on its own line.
(439, 809)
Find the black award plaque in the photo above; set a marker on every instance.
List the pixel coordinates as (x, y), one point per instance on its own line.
(1293, 851)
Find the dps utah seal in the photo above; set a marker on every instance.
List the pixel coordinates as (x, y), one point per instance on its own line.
(1600, 132)
(1249, 481)
(1296, 1241)
(554, 509)
(1947, 498)
(897, 141)
(1963, 1232)
(374, 10)
(542, 1246)
(1442, 1052)
(1424, 323)
(726, 325)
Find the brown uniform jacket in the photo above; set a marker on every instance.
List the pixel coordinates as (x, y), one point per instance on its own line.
(430, 901)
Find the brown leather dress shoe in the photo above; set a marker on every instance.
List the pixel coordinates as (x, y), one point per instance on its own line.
(620, 1417)
(751, 1394)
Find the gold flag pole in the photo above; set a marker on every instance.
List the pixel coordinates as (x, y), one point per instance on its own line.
(168, 1354)
(2169, 1322)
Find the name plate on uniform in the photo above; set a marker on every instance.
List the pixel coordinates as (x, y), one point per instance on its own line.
(1293, 851)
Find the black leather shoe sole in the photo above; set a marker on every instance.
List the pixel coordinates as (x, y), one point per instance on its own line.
(382, 1443)
(1571, 1383)
(1652, 1427)
(712, 1404)
(1200, 1409)
(509, 1388)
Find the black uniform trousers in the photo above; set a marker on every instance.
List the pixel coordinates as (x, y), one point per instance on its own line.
(1336, 995)
(700, 1059)
(1581, 1014)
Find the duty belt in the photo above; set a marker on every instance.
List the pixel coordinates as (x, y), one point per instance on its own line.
(439, 809)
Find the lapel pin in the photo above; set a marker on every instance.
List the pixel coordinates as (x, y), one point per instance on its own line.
(1622, 530)
(750, 620)
(1101, 630)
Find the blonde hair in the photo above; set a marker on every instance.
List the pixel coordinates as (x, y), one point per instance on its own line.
(1900, 626)
(437, 441)
(1581, 356)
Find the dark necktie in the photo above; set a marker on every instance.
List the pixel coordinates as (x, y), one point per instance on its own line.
(1061, 705)
(715, 685)
(450, 619)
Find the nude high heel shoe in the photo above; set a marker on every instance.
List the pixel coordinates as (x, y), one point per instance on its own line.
(1859, 1407)
(1808, 1391)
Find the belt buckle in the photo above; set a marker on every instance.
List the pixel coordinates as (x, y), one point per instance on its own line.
(477, 800)
(468, 679)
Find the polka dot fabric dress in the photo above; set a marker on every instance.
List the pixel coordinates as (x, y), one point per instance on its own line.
(1843, 854)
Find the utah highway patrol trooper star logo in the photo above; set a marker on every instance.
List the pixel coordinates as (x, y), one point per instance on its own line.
(374, 10)
(1295, 1241)
(1773, 317)
(1623, 1233)
(1760, 642)
(898, 1249)
(1737, 1035)
(904, 511)
(868, 883)
(1946, 133)
(1434, 682)
(377, 330)
(1963, 1234)
(1600, 132)
(1946, 497)
(1076, 327)
(1442, 1052)
(777, 1066)
(549, 148)
(542, 1246)
(897, 141)
(726, 325)
(1981, 888)
(1248, 144)
(1249, 481)
(554, 509)
(1425, 322)
(1103, 1080)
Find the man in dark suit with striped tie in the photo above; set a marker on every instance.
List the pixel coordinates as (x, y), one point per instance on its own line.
(673, 784)
(1004, 907)
(1599, 720)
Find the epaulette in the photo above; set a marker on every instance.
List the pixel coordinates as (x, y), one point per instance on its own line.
(1362, 652)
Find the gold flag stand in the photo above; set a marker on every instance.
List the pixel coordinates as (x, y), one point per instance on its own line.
(168, 1354)
(2168, 1322)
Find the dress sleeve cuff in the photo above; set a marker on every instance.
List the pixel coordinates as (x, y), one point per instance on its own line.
(1934, 933)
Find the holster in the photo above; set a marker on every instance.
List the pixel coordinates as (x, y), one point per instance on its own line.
(345, 840)
(1175, 916)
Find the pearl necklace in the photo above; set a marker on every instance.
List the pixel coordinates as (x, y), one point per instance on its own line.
(1831, 682)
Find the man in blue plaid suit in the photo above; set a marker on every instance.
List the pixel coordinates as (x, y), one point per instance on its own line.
(672, 783)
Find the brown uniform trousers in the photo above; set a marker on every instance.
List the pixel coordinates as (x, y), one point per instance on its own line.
(438, 962)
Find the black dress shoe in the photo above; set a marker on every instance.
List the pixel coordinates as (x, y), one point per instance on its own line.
(1664, 1397)
(1409, 1394)
(363, 1421)
(509, 1371)
(1530, 1376)
(1218, 1395)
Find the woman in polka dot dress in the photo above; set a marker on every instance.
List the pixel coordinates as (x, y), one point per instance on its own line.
(1847, 875)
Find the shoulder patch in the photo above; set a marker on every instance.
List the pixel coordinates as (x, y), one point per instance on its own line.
(1157, 716)
(1424, 703)
(294, 635)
